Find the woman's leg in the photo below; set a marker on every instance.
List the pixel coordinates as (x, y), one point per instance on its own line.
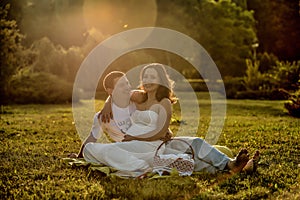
(207, 157)
(126, 156)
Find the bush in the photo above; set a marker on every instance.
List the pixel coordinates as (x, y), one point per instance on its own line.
(261, 94)
(43, 88)
(233, 85)
(195, 84)
(293, 104)
(286, 75)
(267, 61)
(254, 79)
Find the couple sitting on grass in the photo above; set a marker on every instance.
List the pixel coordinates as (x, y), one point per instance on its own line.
(140, 123)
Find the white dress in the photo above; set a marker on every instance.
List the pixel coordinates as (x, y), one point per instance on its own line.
(128, 156)
(121, 122)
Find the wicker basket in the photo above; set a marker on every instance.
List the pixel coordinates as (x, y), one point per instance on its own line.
(165, 163)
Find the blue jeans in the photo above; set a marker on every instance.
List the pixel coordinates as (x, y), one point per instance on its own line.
(207, 157)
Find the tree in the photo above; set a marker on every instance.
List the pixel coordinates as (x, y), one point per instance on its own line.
(56, 60)
(59, 20)
(222, 27)
(278, 27)
(11, 51)
(50, 58)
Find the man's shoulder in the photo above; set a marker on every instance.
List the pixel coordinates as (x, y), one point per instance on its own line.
(131, 107)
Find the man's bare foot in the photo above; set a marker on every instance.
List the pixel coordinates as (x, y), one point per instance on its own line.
(251, 165)
(237, 165)
(73, 155)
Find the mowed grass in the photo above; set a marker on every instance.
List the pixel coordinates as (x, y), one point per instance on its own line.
(35, 138)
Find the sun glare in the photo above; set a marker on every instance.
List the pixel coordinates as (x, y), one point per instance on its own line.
(113, 16)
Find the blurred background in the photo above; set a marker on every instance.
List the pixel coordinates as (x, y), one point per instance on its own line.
(255, 44)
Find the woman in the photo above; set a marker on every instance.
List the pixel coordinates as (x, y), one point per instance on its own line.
(150, 126)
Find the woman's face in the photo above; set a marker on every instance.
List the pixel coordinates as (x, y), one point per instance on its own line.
(150, 80)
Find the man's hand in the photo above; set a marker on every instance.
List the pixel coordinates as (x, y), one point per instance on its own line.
(106, 112)
(168, 136)
(128, 138)
(105, 116)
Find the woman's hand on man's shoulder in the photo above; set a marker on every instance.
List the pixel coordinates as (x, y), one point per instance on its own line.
(138, 96)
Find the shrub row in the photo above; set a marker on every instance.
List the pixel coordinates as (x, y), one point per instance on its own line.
(293, 103)
(39, 88)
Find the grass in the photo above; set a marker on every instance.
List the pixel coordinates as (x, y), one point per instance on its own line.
(35, 138)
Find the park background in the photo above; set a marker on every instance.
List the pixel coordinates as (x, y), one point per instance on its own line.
(255, 45)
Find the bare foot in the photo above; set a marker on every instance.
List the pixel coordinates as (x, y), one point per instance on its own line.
(145, 173)
(237, 165)
(251, 165)
(73, 155)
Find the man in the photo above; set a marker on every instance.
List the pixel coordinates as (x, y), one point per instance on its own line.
(118, 88)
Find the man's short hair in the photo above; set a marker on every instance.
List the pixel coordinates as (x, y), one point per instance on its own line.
(108, 81)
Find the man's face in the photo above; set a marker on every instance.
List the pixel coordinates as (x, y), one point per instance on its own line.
(122, 87)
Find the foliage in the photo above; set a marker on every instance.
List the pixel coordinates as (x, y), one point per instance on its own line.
(231, 34)
(266, 62)
(56, 60)
(12, 56)
(64, 23)
(72, 58)
(293, 104)
(39, 87)
(92, 38)
(233, 85)
(36, 137)
(60, 21)
(267, 85)
(254, 79)
(224, 29)
(278, 27)
(267, 94)
(50, 58)
(286, 75)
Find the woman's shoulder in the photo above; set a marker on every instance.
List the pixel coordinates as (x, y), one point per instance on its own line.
(165, 102)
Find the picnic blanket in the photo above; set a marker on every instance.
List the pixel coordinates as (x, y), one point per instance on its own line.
(110, 171)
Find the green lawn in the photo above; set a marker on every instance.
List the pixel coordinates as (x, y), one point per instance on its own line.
(35, 138)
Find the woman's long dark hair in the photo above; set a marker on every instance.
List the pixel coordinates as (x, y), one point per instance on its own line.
(165, 89)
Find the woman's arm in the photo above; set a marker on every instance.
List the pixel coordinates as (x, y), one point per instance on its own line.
(138, 96)
(162, 126)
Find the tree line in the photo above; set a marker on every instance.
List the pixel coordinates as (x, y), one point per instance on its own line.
(50, 39)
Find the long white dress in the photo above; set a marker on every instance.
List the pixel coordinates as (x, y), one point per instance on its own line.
(128, 156)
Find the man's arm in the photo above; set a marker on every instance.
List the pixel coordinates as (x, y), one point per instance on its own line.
(89, 139)
(106, 112)
(137, 96)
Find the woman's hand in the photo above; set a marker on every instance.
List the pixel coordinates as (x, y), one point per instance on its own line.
(138, 96)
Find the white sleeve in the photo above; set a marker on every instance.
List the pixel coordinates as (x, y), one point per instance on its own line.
(96, 129)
